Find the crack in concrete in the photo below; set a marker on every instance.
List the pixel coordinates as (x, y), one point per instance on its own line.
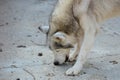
(15, 66)
(23, 70)
(38, 43)
(11, 66)
(30, 73)
(105, 56)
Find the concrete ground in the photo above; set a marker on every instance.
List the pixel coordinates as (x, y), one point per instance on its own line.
(24, 56)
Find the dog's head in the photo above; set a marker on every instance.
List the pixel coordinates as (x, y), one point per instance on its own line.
(60, 43)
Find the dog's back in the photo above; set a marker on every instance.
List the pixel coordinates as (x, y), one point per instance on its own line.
(104, 9)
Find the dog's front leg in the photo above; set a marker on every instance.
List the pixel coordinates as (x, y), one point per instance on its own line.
(74, 53)
(89, 26)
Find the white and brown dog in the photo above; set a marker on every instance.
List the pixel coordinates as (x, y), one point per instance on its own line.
(74, 24)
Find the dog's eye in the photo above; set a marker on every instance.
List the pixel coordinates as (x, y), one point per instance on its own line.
(58, 46)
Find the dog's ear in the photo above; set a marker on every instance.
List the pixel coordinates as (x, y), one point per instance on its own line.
(59, 36)
(44, 29)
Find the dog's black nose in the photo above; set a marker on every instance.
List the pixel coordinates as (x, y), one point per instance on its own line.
(56, 63)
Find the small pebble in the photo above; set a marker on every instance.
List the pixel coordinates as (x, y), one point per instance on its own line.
(18, 79)
(40, 54)
(50, 74)
(13, 43)
(11, 71)
(6, 23)
(1, 50)
(113, 62)
(29, 35)
(83, 73)
(21, 46)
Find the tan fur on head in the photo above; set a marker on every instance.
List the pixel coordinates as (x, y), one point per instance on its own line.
(63, 40)
(59, 37)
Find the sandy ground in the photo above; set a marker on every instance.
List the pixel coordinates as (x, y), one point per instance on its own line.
(21, 45)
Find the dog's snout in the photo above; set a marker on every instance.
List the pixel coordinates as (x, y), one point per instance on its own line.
(56, 63)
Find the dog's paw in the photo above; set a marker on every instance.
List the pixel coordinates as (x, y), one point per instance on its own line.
(72, 58)
(73, 71)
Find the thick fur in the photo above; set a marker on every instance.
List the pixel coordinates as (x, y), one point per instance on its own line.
(74, 23)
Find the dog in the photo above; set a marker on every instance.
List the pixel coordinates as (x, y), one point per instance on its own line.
(73, 25)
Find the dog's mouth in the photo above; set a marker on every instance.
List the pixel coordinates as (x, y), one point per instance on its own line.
(66, 59)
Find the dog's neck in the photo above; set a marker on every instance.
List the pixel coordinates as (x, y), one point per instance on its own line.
(63, 9)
